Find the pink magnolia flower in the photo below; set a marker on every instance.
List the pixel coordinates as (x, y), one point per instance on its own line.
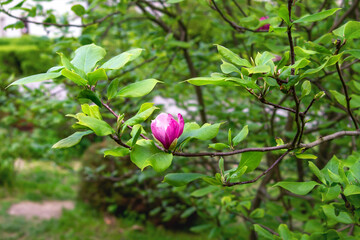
(166, 129)
(264, 28)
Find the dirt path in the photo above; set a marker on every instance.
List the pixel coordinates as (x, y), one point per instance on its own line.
(41, 210)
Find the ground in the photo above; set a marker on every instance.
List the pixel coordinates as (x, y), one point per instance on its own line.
(33, 210)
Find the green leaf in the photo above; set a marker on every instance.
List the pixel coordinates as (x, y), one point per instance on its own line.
(174, 1)
(17, 25)
(71, 140)
(141, 152)
(206, 132)
(141, 116)
(341, 217)
(221, 166)
(204, 191)
(218, 146)
(218, 81)
(188, 212)
(78, 10)
(91, 111)
(284, 232)
(145, 153)
(305, 88)
(300, 64)
(317, 16)
(88, 94)
(96, 76)
(241, 136)
(122, 59)
(300, 188)
(231, 57)
(259, 69)
(251, 160)
(36, 78)
(100, 127)
(257, 213)
(315, 170)
(352, 190)
(160, 161)
(229, 137)
(339, 97)
(138, 89)
(87, 56)
(228, 68)
(112, 89)
(306, 156)
(263, 233)
(181, 179)
(330, 193)
(349, 30)
(301, 52)
(283, 13)
(135, 133)
(117, 152)
(74, 77)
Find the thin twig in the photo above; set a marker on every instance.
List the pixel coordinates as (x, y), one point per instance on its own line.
(63, 25)
(347, 98)
(258, 177)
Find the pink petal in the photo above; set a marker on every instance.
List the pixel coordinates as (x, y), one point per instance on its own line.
(173, 130)
(158, 133)
(181, 124)
(263, 18)
(159, 126)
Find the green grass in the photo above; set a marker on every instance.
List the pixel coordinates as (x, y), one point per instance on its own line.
(42, 181)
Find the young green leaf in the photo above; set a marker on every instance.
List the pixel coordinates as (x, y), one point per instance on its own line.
(87, 56)
(96, 76)
(117, 152)
(241, 136)
(181, 179)
(100, 127)
(74, 77)
(71, 140)
(218, 146)
(122, 59)
(36, 78)
(317, 16)
(305, 88)
(251, 160)
(231, 57)
(283, 13)
(145, 153)
(138, 89)
(88, 94)
(204, 191)
(315, 170)
(306, 156)
(300, 188)
(221, 166)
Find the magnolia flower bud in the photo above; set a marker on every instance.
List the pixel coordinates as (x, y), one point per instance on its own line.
(264, 28)
(166, 129)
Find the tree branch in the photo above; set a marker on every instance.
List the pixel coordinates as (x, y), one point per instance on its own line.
(258, 177)
(23, 19)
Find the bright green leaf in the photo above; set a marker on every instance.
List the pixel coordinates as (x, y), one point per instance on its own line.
(71, 140)
(300, 188)
(138, 89)
(36, 78)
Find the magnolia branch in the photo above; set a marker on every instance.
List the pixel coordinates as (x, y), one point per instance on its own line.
(231, 23)
(258, 177)
(24, 19)
(347, 97)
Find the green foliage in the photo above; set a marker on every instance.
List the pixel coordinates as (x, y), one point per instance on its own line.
(291, 77)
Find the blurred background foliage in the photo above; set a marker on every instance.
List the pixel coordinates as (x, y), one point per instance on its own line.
(179, 44)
